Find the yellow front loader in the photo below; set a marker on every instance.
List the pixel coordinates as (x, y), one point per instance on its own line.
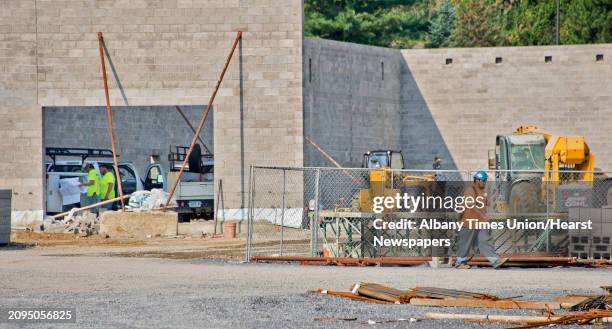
(383, 180)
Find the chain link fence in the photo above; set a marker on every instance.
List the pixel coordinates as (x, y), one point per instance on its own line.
(329, 211)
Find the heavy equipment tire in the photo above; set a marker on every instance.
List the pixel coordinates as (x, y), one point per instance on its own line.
(524, 198)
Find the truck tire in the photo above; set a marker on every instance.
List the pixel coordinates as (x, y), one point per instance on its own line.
(524, 198)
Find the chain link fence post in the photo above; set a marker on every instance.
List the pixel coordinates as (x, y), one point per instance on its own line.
(546, 186)
(282, 228)
(314, 227)
(250, 213)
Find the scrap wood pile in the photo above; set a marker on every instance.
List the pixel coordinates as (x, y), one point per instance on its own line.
(586, 308)
(378, 293)
(526, 261)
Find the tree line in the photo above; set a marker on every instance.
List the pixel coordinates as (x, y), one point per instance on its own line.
(459, 23)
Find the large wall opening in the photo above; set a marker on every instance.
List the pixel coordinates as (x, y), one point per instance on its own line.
(143, 135)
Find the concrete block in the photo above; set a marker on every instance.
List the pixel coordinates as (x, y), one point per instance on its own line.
(574, 214)
(140, 225)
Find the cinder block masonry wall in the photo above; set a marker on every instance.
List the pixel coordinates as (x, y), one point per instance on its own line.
(456, 110)
(164, 52)
(20, 116)
(451, 111)
(350, 105)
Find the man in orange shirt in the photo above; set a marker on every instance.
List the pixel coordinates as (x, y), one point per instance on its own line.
(471, 238)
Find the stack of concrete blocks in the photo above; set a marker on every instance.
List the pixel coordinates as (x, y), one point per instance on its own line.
(601, 242)
(595, 242)
(5, 217)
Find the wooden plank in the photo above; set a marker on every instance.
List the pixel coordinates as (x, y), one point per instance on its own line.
(480, 303)
(527, 319)
(350, 296)
(568, 301)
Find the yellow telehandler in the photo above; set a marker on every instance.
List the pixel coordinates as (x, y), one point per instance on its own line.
(535, 168)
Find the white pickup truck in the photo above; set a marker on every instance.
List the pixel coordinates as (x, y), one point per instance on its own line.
(58, 169)
(195, 192)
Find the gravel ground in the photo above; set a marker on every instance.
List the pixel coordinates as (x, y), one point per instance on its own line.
(122, 292)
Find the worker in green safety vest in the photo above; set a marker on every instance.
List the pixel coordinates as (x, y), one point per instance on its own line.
(107, 188)
(93, 187)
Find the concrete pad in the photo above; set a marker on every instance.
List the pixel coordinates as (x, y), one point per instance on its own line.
(140, 225)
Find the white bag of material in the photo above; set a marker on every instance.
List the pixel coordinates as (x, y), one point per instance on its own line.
(149, 200)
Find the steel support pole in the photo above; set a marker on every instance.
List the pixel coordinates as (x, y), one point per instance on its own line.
(203, 119)
(109, 120)
(282, 232)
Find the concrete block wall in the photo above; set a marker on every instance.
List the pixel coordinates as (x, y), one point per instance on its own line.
(456, 110)
(429, 108)
(140, 131)
(350, 105)
(20, 119)
(162, 52)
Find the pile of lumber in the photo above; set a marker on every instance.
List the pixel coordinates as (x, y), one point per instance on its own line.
(586, 308)
(431, 296)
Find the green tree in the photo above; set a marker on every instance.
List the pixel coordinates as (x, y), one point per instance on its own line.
(586, 21)
(390, 23)
(530, 23)
(475, 23)
(478, 24)
(442, 25)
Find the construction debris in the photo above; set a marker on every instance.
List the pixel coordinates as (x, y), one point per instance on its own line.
(529, 321)
(433, 296)
(601, 302)
(350, 295)
(433, 292)
(390, 321)
(380, 292)
(590, 309)
(333, 318)
(84, 224)
(479, 303)
(513, 261)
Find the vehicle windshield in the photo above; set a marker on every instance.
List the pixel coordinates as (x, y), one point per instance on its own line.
(376, 160)
(527, 156)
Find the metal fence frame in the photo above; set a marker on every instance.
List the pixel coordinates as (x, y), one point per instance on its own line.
(314, 209)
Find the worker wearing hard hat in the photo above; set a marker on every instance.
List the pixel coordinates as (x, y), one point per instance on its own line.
(471, 238)
(107, 188)
(92, 195)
